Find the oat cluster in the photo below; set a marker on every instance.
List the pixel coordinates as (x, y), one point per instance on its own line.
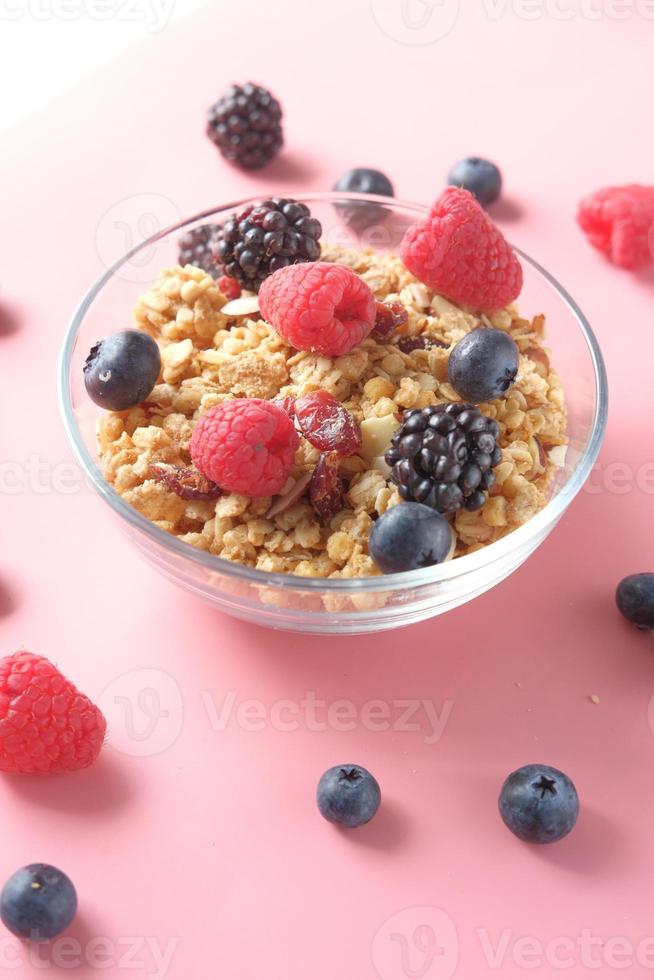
(209, 357)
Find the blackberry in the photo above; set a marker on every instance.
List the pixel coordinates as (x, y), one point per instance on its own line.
(245, 124)
(444, 455)
(265, 237)
(195, 248)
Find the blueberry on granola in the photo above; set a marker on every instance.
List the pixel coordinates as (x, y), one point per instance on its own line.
(481, 177)
(348, 795)
(539, 804)
(245, 124)
(443, 456)
(484, 364)
(121, 370)
(196, 248)
(363, 180)
(409, 536)
(265, 237)
(635, 599)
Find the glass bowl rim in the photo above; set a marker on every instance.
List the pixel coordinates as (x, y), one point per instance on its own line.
(550, 513)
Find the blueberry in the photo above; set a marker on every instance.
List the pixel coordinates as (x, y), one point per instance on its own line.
(409, 535)
(483, 365)
(38, 902)
(363, 180)
(481, 177)
(635, 599)
(348, 795)
(122, 370)
(539, 804)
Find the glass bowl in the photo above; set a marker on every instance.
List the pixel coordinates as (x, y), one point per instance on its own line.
(314, 605)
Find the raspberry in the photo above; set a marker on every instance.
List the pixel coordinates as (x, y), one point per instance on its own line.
(246, 126)
(229, 287)
(319, 307)
(460, 253)
(46, 724)
(246, 446)
(327, 424)
(619, 221)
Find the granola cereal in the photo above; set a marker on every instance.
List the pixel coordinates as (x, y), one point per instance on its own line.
(210, 356)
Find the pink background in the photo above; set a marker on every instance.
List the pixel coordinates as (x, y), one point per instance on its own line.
(198, 829)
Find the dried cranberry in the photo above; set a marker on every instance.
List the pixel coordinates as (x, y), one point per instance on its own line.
(326, 424)
(327, 489)
(186, 483)
(287, 404)
(229, 287)
(388, 318)
(408, 344)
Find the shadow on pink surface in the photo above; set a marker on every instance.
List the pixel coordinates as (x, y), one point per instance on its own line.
(507, 209)
(292, 168)
(387, 830)
(594, 847)
(106, 786)
(10, 320)
(9, 599)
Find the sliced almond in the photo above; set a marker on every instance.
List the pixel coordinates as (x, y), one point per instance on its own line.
(243, 306)
(379, 463)
(540, 359)
(450, 553)
(376, 435)
(443, 306)
(542, 455)
(557, 455)
(291, 496)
